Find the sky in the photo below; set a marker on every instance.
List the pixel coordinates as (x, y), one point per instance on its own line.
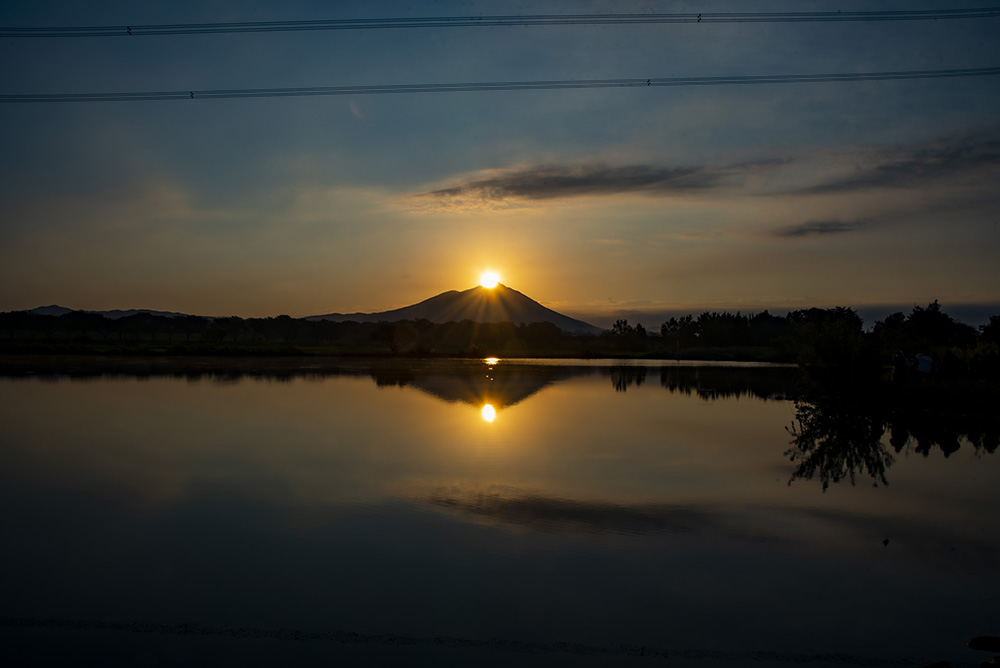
(598, 203)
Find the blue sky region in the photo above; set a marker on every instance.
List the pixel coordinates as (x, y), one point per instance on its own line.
(597, 202)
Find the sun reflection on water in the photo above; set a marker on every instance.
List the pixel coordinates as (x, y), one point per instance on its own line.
(491, 361)
(488, 413)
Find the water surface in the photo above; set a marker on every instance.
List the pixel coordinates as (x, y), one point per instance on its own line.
(604, 514)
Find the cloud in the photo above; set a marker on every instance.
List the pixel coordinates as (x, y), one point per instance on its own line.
(553, 514)
(519, 509)
(918, 165)
(502, 188)
(820, 228)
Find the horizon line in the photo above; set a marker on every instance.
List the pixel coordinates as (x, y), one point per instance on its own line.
(588, 313)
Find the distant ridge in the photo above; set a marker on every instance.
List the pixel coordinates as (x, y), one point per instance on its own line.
(477, 304)
(113, 314)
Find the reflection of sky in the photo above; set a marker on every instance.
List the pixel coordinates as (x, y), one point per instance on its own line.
(195, 489)
(330, 442)
(576, 439)
(690, 198)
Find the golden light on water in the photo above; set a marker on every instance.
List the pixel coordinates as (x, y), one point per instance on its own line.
(489, 413)
(489, 279)
(491, 361)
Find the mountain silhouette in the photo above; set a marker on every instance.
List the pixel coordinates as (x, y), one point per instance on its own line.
(113, 314)
(477, 304)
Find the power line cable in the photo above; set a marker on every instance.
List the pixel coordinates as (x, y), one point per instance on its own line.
(497, 86)
(496, 21)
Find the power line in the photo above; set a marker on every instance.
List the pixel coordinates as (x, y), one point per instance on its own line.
(496, 21)
(477, 87)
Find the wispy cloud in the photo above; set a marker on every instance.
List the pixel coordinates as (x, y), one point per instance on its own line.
(554, 514)
(918, 165)
(820, 228)
(545, 182)
(539, 512)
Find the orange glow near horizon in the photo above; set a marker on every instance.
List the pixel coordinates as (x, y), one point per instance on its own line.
(488, 413)
(489, 279)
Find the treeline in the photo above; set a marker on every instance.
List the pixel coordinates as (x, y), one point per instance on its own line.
(833, 342)
(80, 331)
(823, 340)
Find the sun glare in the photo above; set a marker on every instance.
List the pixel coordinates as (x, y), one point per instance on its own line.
(489, 279)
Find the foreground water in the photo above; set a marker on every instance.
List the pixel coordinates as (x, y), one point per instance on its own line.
(456, 513)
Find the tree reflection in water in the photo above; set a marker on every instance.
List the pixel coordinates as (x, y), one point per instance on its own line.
(835, 438)
(622, 377)
(835, 442)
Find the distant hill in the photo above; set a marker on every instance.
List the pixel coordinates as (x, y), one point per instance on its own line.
(478, 304)
(113, 314)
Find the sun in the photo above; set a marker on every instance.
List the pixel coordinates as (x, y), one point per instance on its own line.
(489, 279)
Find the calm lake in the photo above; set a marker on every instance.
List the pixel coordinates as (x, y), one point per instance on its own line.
(473, 513)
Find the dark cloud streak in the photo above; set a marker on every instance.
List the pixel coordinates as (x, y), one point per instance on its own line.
(550, 182)
(552, 514)
(549, 513)
(820, 228)
(920, 165)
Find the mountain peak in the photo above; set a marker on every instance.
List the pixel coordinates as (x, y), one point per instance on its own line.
(478, 304)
